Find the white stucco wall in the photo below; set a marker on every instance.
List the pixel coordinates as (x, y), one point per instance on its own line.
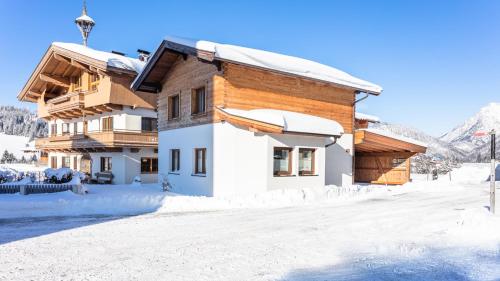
(59, 156)
(238, 161)
(339, 159)
(126, 119)
(187, 139)
(125, 165)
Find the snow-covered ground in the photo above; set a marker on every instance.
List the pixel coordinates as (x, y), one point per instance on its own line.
(437, 230)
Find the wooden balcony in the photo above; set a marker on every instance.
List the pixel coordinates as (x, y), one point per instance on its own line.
(67, 102)
(98, 141)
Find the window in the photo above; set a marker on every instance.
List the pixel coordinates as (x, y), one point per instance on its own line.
(174, 107)
(175, 160)
(105, 164)
(75, 163)
(149, 124)
(53, 162)
(65, 128)
(76, 82)
(53, 129)
(399, 163)
(94, 80)
(200, 159)
(149, 165)
(107, 123)
(282, 161)
(66, 162)
(198, 98)
(306, 161)
(75, 128)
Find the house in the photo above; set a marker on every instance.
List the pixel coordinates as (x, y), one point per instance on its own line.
(96, 123)
(235, 120)
(382, 157)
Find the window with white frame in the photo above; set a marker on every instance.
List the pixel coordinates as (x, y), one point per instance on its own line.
(175, 160)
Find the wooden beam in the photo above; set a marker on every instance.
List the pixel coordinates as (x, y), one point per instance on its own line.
(80, 65)
(62, 58)
(55, 80)
(111, 106)
(103, 108)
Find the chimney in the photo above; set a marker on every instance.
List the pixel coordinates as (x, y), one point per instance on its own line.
(143, 55)
(118, 53)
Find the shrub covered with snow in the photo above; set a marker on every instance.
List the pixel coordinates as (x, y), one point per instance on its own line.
(7, 175)
(61, 175)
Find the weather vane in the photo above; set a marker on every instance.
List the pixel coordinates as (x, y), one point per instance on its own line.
(85, 23)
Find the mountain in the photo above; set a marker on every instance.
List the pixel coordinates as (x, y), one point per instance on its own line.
(462, 137)
(21, 122)
(436, 147)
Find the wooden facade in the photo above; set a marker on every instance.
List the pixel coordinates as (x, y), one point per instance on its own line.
(67, 85)
(241, 87)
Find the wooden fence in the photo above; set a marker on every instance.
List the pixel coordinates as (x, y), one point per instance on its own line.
(25, 189)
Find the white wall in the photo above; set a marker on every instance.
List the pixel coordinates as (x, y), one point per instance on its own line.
(125, 165)
(240, 160)
(339, 159)
(126, 119)
(187, 139)
(59, 156)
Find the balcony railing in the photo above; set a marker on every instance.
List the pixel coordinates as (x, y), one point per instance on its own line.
(99, 139)
(70, 101)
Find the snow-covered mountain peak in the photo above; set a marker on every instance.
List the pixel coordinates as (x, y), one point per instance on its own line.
(486, 119)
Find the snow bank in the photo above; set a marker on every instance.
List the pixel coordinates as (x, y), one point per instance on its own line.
(133, 199)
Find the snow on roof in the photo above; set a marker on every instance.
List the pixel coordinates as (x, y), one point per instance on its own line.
(84, 18)
(278, 62)
(394, 136)
(111, 59)
(367, 117)
(290, 121)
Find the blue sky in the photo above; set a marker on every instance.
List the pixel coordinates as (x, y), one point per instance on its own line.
(438, 61)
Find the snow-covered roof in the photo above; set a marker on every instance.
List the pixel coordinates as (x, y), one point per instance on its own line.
(275, 62)
(292, 122)
(113, 60)
(394, 136)
(84, 18)
(366, 117)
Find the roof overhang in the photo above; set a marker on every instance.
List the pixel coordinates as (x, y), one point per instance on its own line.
(368, 141)
(281, 122)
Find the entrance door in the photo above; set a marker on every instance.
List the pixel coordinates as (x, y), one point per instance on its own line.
(86, 164)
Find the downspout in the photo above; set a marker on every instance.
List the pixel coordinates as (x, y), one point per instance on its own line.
(335, 138)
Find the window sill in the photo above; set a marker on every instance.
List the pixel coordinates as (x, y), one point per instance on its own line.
(199, 175)
(309, 175)
(198, 115)
(173, 173)
(149, 173)
(284, 176)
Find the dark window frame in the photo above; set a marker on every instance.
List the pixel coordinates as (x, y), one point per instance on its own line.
(196, 108)
(174, 107)
(313, 160)
(106, 164)
(175, 160)
(203, 169)
(149, 124)
(107, 124)
(290, 162)
(149, 165)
